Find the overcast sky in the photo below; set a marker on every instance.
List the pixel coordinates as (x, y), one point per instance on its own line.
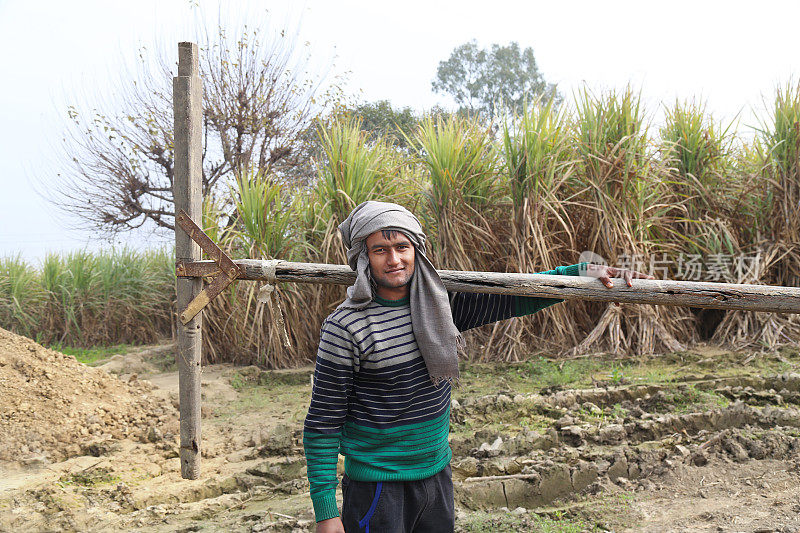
(729, 54)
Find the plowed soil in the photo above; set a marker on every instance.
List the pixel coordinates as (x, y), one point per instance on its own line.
(695, 441)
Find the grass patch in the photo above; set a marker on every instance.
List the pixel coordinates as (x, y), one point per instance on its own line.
(619, 412)
(90, 477)
(531, 376)
(91, 356)
(502, 522)
(252, 376)
(238, 381)
(268, 397)
(610, 512)
(692, 399)
(259, 399)
(653, 373)
(549, 374)
(505, 425)
(164, 361)
(543, 374)
(276, 396)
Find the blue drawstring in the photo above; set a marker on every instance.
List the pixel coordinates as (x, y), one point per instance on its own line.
(364, 522)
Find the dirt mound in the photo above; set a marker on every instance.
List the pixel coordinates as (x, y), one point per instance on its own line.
(52, 407)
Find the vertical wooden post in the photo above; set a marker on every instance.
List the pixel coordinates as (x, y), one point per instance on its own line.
(187, 190)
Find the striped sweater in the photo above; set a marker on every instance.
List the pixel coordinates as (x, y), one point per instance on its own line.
(373, 400)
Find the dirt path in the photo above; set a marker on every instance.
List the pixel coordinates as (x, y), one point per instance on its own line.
(750, 496)
(702, 441)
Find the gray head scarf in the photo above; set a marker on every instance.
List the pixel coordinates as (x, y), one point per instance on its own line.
(437, 337)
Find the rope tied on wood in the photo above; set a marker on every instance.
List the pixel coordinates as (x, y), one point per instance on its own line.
(266, 294)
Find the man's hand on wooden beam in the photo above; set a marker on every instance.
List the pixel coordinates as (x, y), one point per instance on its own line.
(605, 273)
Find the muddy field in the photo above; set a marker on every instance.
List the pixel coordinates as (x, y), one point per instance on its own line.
(697, 441)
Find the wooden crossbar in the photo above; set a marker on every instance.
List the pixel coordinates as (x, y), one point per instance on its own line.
(657, 292)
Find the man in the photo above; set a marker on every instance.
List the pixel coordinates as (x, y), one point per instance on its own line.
(386, 360)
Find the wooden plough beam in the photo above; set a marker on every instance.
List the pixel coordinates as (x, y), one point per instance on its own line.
(656, 292)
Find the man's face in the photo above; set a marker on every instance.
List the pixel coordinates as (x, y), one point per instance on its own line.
(391, 260)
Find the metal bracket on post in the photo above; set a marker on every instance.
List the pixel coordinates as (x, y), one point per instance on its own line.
(229, 271)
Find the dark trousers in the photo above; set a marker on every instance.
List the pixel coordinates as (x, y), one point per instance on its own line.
(399, 506)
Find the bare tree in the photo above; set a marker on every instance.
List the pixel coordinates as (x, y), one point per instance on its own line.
(257, 110)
